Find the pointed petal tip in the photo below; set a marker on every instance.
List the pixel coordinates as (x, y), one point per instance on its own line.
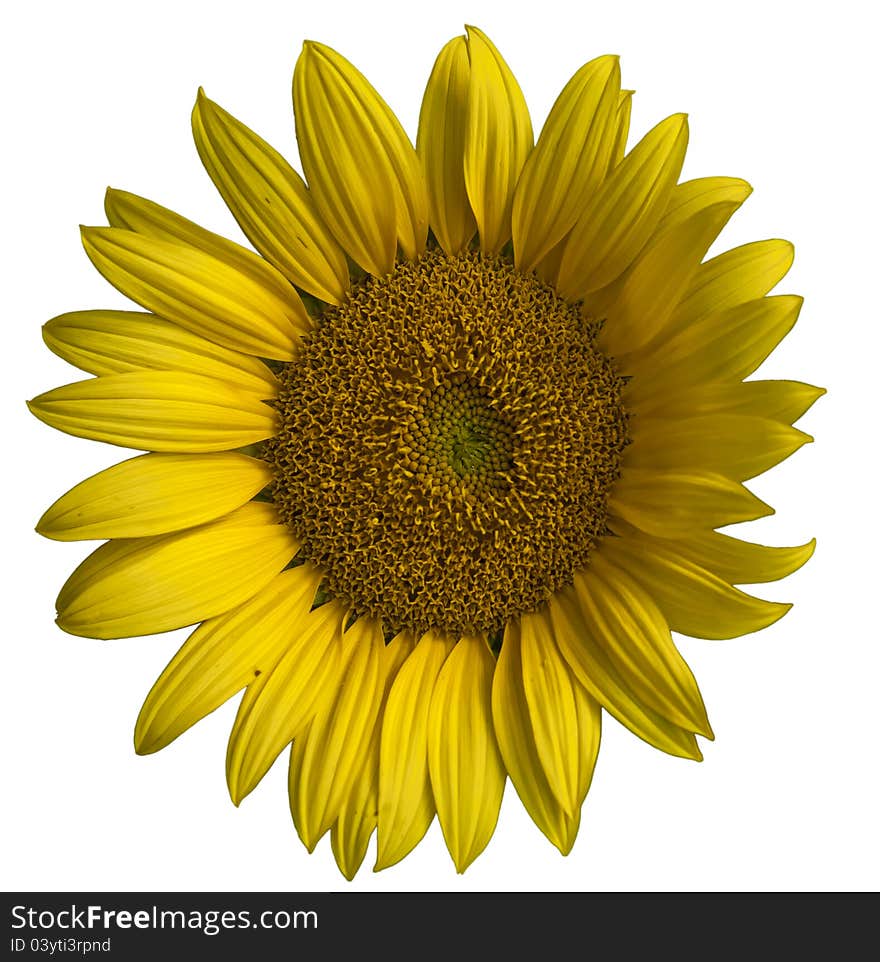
(310, 47)
(143, 746)
(65, 625)
(311, 843)
(44, 528)
(783, 608)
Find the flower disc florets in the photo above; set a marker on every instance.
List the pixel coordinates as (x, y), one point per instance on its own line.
(448, 440)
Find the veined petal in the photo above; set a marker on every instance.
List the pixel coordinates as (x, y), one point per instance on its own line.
(783, 401)
(552, 699)
(741, 562)
(351, 831)
(569, 162)
(155, 494)
(199, 291)
(223, 655)
(656, 281)
(688, 199)
(115, 342)
(406, 805)
(440, 146)
(732, 278)
(326, 757)
(578, 642)
(695, 215)
(728, 345)
(621, 132)
(735, 446)
(516, 741)
(279, 703)
(141, 586)
(672, 505)
(624, 212)
(131, 212)
(693, 600)
(157, 411)
(631, 629)
(467, 773)
(270, 201)
(361, 168)
(497, 140)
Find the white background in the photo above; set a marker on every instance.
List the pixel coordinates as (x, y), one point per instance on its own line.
(779, 93)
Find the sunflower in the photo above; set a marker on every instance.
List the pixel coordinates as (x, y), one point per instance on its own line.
(438, 470)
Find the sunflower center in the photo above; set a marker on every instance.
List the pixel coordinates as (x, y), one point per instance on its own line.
(460, 438)
(448, 440)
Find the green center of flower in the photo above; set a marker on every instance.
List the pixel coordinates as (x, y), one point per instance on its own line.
(449, 437)
(458, 436)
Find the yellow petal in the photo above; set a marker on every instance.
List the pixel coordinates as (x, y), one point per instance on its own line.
(223, 655)
(157, 411)
(735, 446)
(569, 162)
(497, 140)
(741, 562)
(200, 292)
(351, 831)
(672, 505)
(578, 641)
(732, 278)
(696, 213)
(141, 586)
(624, 212)
(406, 805)
(693, 196)
(656, 281)
(516, 741)
(693, 600)
(621, 133)
(115, 342)
(440, 146)
(728, 345)
(155, 494)
(326, 757)
(783, 401)
(131, 212)
(467, 774)
(280, 703)
(634, 635)
(270, 201)
(550, 696)
(361, 168)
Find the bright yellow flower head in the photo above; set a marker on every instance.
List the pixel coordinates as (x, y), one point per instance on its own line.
(438, 470)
